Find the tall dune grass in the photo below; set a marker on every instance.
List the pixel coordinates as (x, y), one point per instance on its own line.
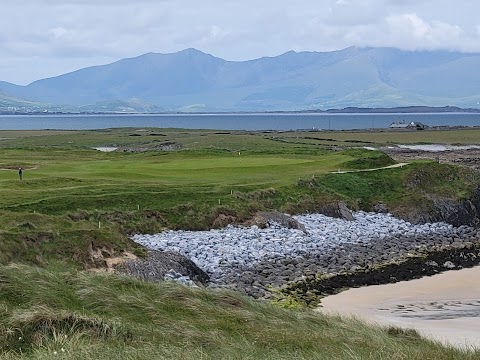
(58, 312)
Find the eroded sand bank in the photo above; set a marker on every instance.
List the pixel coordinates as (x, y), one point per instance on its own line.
(444, 307)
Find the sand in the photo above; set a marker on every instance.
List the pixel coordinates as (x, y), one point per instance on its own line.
(443, 307)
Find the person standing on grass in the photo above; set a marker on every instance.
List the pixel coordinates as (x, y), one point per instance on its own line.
(20, 173)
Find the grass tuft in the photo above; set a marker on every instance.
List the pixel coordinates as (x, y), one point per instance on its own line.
(409, 334)
(26, 330)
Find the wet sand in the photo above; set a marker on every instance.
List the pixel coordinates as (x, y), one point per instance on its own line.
(443, 307)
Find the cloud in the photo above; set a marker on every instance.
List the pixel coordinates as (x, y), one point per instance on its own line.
(411, 32)
(69, 33)
(351, 13)
(414, 29)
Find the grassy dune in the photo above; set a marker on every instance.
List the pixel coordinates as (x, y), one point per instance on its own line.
(61, 313)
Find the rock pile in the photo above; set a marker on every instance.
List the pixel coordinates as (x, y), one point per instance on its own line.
(251, 259)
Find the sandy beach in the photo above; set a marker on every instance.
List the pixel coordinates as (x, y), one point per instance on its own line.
(444, 307)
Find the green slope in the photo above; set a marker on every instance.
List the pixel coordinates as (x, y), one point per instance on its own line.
(59, 313)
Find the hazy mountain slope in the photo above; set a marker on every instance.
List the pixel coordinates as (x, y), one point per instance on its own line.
(193, 80)
(146, 77)
(9, 88)
(457, 78)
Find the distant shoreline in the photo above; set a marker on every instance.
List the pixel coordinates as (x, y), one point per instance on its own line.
(271, 122)
(347, 110)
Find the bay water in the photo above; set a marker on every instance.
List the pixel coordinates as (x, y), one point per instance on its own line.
(236, 121)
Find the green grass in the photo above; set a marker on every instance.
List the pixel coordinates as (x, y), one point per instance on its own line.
(58, 312)
(74, 200)
(69, 180)
(367, 159)
(68, 193)
(412, 185)
(71, 190)
(149, 138)
(379, 138)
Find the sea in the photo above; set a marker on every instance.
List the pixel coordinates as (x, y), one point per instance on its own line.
(235, 121)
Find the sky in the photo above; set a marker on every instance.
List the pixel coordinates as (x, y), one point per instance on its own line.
(45, 38)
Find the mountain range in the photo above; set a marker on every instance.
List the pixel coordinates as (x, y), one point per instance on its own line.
(192, 81)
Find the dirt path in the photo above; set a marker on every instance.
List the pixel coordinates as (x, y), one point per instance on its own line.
(399, 165)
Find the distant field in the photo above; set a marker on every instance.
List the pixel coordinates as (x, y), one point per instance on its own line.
(351, 138)
(151, 138)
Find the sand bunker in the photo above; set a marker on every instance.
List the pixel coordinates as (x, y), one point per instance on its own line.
(444, 307)
(105, 148)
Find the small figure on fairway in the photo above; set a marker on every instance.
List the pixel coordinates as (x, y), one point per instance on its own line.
(20, 173)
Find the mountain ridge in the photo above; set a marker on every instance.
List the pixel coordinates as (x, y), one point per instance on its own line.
(293, 81)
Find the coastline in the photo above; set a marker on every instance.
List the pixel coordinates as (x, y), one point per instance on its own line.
(261, 122)
(328, 255)
(443, 307)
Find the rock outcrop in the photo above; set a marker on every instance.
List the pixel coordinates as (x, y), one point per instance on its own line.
(429, 262)
(283, 219)
(337, 210)
(454, 212)
(160, 264)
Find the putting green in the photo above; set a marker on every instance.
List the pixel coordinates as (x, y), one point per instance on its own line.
(237, 161)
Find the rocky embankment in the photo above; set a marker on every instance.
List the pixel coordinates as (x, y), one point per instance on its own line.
(465, 156)
(253, 260)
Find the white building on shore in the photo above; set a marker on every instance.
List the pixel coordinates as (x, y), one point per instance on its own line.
(410, 125)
